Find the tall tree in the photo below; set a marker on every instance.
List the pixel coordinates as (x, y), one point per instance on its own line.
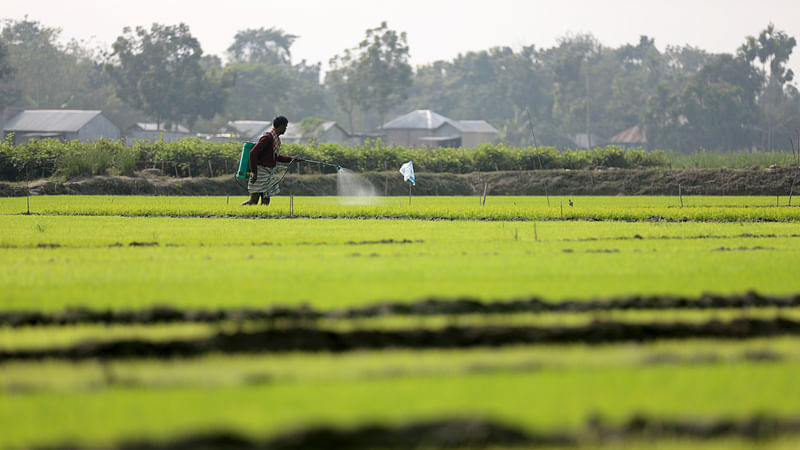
(383, 67)
(715, 109)
(772, 49)
(259, 91)
(264, 46)
(307, 96)
(53, 75)
(161, 72)
(375, 75)
(8, 94)
(580, 80)
(36, 55)
(6, 70)
(342, 80)
(635, 80)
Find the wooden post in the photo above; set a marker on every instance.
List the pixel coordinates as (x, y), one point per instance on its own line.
(791, 189)
(680, 194)
(485, 187)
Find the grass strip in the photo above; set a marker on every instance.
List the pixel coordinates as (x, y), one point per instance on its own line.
(540, 401)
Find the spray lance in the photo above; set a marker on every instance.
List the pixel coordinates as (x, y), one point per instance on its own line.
(338, 168)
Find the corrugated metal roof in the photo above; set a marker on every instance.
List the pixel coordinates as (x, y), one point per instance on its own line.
(328, 125)
(424, 119)
(633, 135)
(293, 130)
(148, 126)
(50, 120)
(582, 140)
(474, 126)
(250, 128)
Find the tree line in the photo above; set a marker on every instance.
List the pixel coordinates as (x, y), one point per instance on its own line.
(683, 97)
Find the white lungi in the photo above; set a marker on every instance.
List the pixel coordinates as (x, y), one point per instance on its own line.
(266, 183)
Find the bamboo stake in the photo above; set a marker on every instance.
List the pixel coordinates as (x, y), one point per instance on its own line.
(536, 145)
(485, 187)
(680, 194)
(791, 189)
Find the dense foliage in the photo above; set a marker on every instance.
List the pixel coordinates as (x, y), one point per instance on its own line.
(194, 157)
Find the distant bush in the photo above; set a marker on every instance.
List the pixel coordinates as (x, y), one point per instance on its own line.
(704, 159)
(195, 157)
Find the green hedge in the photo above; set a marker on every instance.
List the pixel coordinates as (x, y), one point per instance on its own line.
(194, 157)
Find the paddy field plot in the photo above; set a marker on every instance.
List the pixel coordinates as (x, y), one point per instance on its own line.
(169, 318)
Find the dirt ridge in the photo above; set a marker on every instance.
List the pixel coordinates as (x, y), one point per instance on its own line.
(476, 433)
(610, 181)
(426, 307)
(281, 340)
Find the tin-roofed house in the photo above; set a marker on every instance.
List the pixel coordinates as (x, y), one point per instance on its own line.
(62, 124)
(250, 130)
(147, 131)
(311, 130)
(587, 141)
(426, 128)
(633, 137)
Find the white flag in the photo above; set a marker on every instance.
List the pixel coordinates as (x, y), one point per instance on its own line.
(407, 170)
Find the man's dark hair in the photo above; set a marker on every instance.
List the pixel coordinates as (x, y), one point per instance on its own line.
(280, 120)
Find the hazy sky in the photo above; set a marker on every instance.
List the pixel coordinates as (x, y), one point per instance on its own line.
(437, 29)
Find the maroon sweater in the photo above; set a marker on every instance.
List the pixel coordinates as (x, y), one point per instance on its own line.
(264, 154)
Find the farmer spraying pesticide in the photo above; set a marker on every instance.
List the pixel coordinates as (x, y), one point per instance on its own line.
(264, 180)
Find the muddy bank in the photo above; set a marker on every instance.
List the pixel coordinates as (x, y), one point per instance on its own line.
(479, 433)
(774, 181)
(429, 307)
(318, 340)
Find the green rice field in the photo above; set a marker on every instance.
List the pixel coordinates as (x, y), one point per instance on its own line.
(614, 322)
